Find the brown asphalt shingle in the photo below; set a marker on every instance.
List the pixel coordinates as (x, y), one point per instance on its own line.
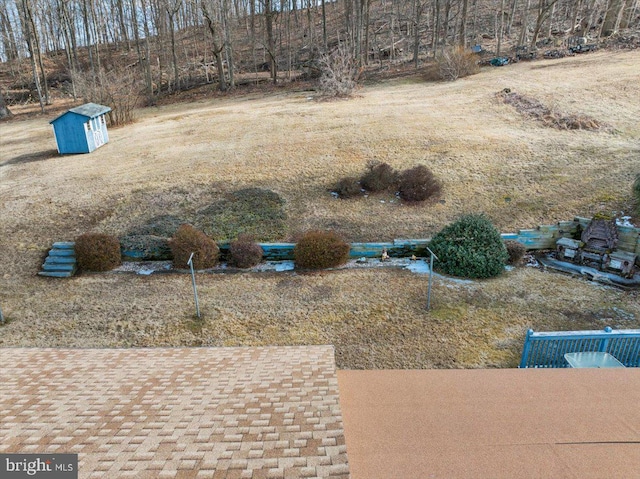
(181, 413)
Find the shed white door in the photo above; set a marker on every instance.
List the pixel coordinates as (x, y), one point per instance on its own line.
(98, 138)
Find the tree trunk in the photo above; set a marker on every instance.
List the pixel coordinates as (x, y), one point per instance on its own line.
(217, 49)
(271, 44)
(501, 30)
(418, 9)
(29, 37)
(172, 10)
(544, 9)
(8, 37)
(613, 17)
(463, 24)
(227, 43)
(4, 110)
(514, 7)
(525, 24)
(324, 24)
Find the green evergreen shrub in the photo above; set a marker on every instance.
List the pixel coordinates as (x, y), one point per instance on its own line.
(189, 240)
(97, 252)
(320, 249)
(470, 248)
(244, 252)
(516, 252)
(380, 177)
(636, 193)
(418, 184)
(348, 187)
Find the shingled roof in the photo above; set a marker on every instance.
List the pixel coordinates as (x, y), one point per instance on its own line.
(249, 413)
(90, 110)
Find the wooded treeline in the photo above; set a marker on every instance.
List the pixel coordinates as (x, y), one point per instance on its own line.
(168, 45)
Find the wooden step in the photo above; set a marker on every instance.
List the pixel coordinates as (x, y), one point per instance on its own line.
(62, 252)
(63, 245)
(60, 259)
(59, 267)
(56, 274)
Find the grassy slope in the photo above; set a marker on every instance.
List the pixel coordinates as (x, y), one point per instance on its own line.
(180, 158)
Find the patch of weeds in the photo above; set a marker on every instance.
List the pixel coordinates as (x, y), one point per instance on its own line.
(252, 211)
(164, 226)
(194, 324)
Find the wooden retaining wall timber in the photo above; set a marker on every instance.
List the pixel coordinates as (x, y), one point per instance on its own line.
(542, 237)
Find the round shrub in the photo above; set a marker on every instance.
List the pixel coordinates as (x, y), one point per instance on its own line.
(97, 252)
(348, 187)
(418, 184)
(244, 252)
(380, 177)
(471, 248)
(189, 240)
(320, 249)
(516, 251)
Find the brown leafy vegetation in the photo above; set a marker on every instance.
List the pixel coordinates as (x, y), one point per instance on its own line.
(379, 177)
(348, 187)
(189, 240)
(418, 184)
(454, 63)
(245, 252)
(97, 252)
(320, 250)
(516, 252)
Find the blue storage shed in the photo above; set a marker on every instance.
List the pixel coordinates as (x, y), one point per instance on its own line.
(81, 129)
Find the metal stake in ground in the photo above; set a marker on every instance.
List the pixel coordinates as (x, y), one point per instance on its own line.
(193, 281)
(1, 317)
(433, 255)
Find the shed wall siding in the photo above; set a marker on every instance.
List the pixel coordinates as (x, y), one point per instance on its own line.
(70, 134)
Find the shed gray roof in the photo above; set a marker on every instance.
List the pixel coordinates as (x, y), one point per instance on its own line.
(90, 110)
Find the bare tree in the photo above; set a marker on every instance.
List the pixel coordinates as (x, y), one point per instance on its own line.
(172, 7)
(28, 34)
(218, 46)
(118, 89)
(544, 10)
(339, 70)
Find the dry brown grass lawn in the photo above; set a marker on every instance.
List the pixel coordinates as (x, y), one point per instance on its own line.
(180, 158)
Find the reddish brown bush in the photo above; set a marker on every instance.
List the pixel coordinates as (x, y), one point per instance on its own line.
(516, 252)
(418, 184)
(189, 240)
(244, 252)
(348, 187)
(97, 252)
(380, 177)
(320, 249)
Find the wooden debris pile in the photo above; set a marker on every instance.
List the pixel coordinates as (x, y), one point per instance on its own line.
(533, 108)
